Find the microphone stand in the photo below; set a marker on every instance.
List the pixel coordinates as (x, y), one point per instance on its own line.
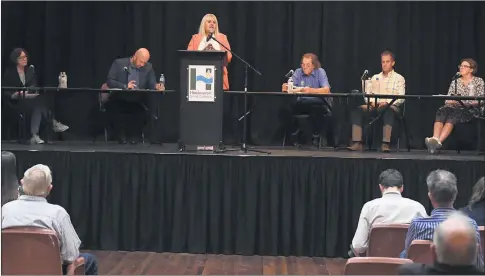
(244, 147)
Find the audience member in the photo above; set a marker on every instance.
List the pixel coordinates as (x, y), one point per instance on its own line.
(442, 191)
(391, 208)
(454, 250)
(10, 182)
(32, 209)
(476, 206)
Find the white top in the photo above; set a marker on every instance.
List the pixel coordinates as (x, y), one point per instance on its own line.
(204, 43)
(391, 208)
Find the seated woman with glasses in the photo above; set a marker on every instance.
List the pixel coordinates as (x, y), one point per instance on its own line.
(454, 112)
(18, 74)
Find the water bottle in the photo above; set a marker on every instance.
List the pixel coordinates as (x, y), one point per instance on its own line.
(368, 86)
(162, 79)
(376, 87)
(62, 80)
(290, 85)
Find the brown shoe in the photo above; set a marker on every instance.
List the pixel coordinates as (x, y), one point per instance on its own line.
(356, 146)
(385, 147)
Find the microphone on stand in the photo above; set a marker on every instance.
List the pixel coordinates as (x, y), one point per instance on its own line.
(457, 76)
(364, 75)
(209, 37)
(289, 74)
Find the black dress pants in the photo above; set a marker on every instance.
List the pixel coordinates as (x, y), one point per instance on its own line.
(128, 118)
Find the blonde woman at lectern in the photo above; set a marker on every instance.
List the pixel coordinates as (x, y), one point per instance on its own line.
(200, 42)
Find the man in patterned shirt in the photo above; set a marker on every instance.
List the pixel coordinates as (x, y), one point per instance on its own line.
(442, 194)
(32, 209)
(388, 82)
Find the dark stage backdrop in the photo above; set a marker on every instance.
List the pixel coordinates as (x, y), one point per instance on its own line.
(256, 205)
(83, 38)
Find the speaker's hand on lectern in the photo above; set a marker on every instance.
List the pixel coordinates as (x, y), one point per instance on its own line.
(160, 86)
(131, 85)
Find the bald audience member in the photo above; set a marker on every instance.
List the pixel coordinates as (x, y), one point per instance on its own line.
(128, 111)
(455, 250)
(32, 209)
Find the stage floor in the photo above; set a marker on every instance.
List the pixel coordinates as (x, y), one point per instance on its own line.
(287, 151)
(292, 202)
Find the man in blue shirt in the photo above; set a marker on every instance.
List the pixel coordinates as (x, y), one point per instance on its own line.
(311, 79)
(442, 194)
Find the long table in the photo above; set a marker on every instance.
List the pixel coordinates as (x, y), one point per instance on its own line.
(347, 96)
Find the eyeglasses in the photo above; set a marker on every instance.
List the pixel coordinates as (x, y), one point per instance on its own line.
(464, 66)
(22, 57)
(308, 65)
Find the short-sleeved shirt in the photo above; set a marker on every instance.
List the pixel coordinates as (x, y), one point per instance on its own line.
(316, 79)
(37, 212)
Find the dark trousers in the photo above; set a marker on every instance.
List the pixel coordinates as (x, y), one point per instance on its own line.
(37, 108)
(128, 118)
(315, 108)
(90, 264)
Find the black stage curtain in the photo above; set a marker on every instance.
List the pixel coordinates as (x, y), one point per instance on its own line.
(256, 205)
(83, 38)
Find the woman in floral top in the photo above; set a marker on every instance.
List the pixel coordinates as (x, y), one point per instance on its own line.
(453, 112)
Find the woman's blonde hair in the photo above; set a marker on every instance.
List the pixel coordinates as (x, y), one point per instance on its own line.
(202, 24)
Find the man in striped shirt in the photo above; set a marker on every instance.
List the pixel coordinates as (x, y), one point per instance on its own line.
(442, 191)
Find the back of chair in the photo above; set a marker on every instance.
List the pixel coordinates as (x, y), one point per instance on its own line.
(420, 252)
(30, 251)
(387, 240)
(374, 265)
(481, 229)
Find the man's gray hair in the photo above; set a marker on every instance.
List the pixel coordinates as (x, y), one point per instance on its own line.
(37, 180)
(442, 187)
(455, 241)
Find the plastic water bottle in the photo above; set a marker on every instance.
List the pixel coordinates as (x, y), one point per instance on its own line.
(368, 86)
(62, 80)
(162, 79)
(290, 85)
(376, 87)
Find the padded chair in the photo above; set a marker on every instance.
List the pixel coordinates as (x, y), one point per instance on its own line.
(387, 240)
(481, 229)
(13, 115)
(103, 97)
(402, 125)
(374, 265)
(302, 117)
(467, 134)
(420, 252)
(34, 251)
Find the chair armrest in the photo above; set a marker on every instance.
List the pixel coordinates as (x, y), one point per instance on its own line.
(77, 267)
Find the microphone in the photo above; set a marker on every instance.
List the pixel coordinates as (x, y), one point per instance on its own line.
(289, 74)
(209, 37)
(457, 76)
(366, 72)
(32, 67)
(125, 69)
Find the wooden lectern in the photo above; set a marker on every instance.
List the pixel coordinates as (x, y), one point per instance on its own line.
(201, 100)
